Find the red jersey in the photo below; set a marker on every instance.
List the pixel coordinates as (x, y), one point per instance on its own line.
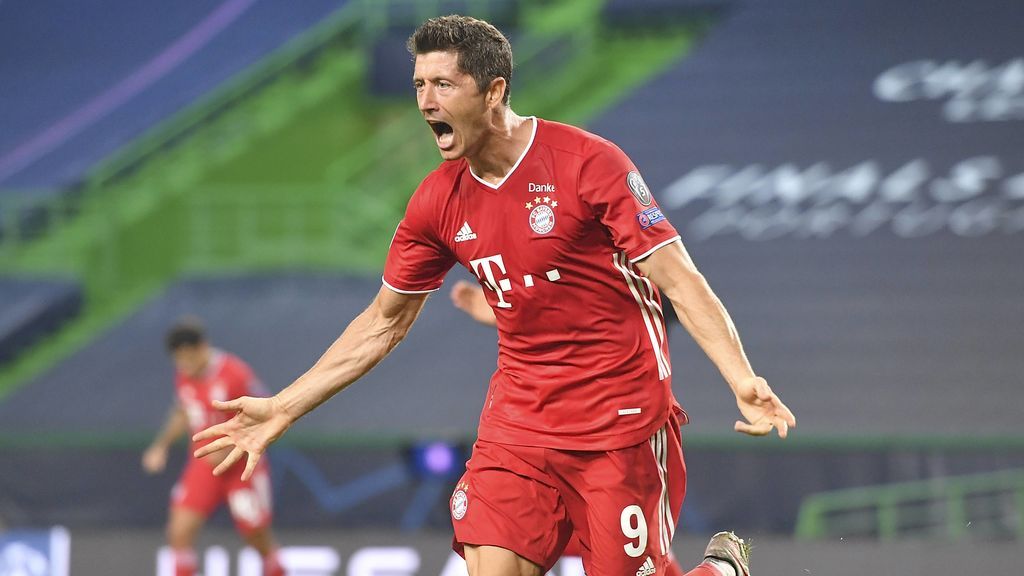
(226, 378)
(583, 362)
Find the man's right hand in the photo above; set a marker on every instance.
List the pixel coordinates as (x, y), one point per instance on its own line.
(256, 424)
(154, 459)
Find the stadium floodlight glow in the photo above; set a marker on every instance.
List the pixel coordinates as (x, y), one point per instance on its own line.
(435, 459)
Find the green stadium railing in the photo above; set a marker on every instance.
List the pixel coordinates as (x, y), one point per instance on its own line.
(981, 506)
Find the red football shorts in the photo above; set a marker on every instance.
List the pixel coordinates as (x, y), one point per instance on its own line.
(621, 504)
(249, 502)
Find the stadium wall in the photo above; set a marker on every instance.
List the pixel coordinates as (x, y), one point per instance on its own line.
(755, 489)
(362, 553)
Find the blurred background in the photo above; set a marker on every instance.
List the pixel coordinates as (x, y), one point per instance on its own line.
(849, 175)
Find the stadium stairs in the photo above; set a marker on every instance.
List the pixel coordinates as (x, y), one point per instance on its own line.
(32, 309)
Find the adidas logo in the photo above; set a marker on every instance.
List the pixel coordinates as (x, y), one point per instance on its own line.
(465, 233)
(647, 569)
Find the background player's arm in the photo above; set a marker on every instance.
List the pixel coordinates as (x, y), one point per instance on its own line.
(706, 319)
(154, 459)
(470, 299)
(366, 341)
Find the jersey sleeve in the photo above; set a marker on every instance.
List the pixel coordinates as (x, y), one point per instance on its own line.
(417, 260)
(621, 201)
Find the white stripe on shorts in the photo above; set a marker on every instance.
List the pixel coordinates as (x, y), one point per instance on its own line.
(659, 450)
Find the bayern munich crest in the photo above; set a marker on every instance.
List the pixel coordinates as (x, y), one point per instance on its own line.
(542, 214)
(460, 502)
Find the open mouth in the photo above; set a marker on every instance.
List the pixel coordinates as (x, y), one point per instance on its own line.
(443, 133)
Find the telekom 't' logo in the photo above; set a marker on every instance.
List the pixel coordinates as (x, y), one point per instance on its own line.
(488, 268)
(484, 270)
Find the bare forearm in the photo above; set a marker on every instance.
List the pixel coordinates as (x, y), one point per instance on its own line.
(699, 310)
(366, 341)
(352, 355)
(174, 427)
(706, 319)
(708, 322)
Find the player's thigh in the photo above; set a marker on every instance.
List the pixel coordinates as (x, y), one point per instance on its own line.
(497, 561)
(631, 500)
(504, 500)
(250, 501)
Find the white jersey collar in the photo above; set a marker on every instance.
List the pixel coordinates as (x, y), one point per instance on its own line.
(526, 151)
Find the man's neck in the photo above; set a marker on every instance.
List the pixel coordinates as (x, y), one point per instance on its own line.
(507, 140)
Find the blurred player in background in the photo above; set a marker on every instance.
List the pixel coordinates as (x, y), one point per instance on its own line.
(204, 374)
(579, 433)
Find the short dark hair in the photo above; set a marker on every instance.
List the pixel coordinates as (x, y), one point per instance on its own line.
(484, 52)
(186, 332)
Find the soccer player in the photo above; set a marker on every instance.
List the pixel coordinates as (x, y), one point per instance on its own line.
(205, 374)
(579, 431)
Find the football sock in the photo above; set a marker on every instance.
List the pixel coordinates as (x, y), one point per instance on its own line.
(272, 565)
(184, 562)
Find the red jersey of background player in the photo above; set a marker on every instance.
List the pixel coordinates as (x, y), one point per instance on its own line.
(226, 378)
(583, 362)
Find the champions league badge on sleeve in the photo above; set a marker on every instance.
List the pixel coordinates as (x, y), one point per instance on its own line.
(639, 188)
(650, 217)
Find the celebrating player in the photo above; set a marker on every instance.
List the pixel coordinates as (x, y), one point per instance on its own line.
(205, 374)
(579, 431)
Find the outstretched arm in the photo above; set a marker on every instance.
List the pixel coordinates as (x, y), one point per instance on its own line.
(366, 341)
(470, 299)
(706, 319)
(154, 459)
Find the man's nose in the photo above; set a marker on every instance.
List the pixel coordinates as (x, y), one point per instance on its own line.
(425, 99)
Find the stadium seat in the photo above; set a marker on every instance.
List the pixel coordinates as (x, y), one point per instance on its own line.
(626, 15)
(32, 309)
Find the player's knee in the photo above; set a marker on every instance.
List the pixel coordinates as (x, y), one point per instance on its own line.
(260, 539)
(180, 534)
